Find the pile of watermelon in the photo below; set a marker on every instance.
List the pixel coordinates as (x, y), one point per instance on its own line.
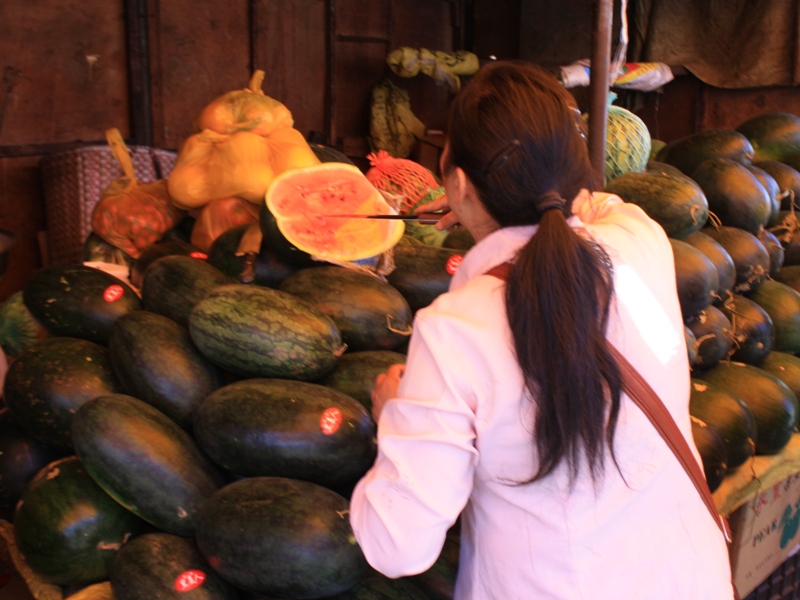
(727, 200)
(194, 434)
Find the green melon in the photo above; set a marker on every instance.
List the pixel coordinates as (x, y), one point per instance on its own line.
(68, 529)
(724, 412)
(145, 461)
(774, 406)
(254, 331)
(282, 537)
(369, 313)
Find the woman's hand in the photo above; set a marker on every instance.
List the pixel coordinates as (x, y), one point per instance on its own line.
(385, 388)
(448, 221)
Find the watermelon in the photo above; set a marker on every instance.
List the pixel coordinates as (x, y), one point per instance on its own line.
(749, 256)
(785, 367)
(286, 428)
(774, 249)
(696, 277)
(713, 335)
(145, 461)
(48, 383)
(712, 452)
(691, 345)
(158, 250)
(173, 284)
(355, 373)
(68, 529)
(21, 457)
(675, 202)
(96, 249)
(752, 328)
(270, 269)
(255, 331)
(282, 537)
(782, 304)
(18, 329)
(789, 275)
(459, 239)
(774, 406)
(375, 586)
(774, 135)
(688, 152)
(787, 178)
(163, 565)
(329, 154)
(662, 168)
(155, 361)
(772, 189)
(714, 251)
(726, 414)
(734, 194)
(422, 273)
(302, 199)
(78, 301)
(369, 313)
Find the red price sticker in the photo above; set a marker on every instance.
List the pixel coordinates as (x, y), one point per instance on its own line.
(199, 255)
(189, 580)
(330, 421)
(452, 264)
(113, 293)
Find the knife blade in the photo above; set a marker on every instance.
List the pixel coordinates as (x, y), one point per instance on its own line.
(422, 218)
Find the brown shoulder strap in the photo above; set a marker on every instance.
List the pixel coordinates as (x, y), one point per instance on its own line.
(648, 401)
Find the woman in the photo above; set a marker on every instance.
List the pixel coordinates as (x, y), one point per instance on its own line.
(509, 411)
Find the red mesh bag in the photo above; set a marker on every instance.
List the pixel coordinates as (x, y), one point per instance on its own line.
(132, 216)
(401, 177)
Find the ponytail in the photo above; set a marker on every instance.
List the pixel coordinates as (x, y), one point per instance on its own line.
(558, 298)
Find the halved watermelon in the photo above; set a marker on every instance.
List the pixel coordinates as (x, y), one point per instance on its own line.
(302, 201)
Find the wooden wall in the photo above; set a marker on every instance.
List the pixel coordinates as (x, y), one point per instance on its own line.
(73, 69)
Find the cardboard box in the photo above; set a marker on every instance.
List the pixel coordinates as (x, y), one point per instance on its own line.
(766, 531)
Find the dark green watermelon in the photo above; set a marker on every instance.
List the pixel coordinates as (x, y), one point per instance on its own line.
(774, 249)
(691, 345)
(726, 413)
(162, 565)
(158, 250)
(673, 201)
(145, 461)
(47, 384)
(255, 331)
(68, 529)
(785, 367)
(789, 275)
(329, 154)
(355, 373)
(752, 328)
(787, 178)
(688, 152)
(369, 313)
(173, 284)
(696, 277)
(714, 251)
(748, 254)
(21, 457)
(713, 335)
(458, 239)
(156, 361)
(422, 273)
(78, 301)
(774, 135)
(712, 452)
(96, 249)
(18, 329)
(773, 192)
(734, 194)
(282, 537)
(286, 428)
(773, 404)
(782, 304)
(277, 243)
(270, 270)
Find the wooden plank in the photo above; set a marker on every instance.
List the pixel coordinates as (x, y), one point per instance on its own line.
(729, 108)
(200, 50)
(21, 212)
(290, 46)
(67, 62)
(139, 71)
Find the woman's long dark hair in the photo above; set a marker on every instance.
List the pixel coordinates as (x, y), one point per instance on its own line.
(514, 132)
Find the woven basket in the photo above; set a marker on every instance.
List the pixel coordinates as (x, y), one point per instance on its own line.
(73, 182)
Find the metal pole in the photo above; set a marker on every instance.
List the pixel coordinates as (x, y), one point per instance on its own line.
(598, 85)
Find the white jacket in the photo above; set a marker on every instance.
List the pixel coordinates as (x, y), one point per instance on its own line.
(459, 435)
